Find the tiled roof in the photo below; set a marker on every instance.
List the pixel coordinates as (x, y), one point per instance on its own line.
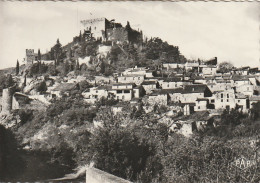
(104, 87)
(174, 79)
(194, 88)
(65, 87)
(149, 83)
(254, 98)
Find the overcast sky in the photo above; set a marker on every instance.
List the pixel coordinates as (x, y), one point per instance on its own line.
(229, 31)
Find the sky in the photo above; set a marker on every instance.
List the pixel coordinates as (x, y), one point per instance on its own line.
(227, 30)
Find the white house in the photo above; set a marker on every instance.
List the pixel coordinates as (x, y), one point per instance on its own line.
(172, 83)
(97, 92)
(192, 92)
(225, 99)
(158, 97)
(137, 79)
(123, 91)
(242, 102)
(149, 86)
(201, 104)
(246, 89)
(209, 70)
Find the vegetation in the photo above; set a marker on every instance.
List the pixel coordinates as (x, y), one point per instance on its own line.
(17, 68)
(6, 81)
(225, 67)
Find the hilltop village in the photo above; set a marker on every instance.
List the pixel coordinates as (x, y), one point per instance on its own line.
(181, 88)
(112, 77)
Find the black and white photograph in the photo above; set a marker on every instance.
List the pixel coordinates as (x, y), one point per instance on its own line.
(130, 91)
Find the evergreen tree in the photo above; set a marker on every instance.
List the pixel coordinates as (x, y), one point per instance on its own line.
(77, 64)
(24, 83)
(80, 36)
(57, 52)
(39, 55)
(17, 68)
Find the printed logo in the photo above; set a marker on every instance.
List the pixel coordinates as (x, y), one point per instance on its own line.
(244, 163)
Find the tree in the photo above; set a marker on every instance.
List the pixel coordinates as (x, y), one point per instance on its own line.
(225, 67)
(80, 36)
(57, 52)
(255, 111)
(39, 55)
(120, 151)
(41, 87)
(17, 67)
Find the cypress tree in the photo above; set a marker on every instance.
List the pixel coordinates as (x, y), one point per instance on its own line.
(39, 55)
(17, 67)
(24, 80)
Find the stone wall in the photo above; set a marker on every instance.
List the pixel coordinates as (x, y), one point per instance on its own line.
(117, 35)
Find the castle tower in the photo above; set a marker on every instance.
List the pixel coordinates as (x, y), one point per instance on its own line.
(30, 56)
(7, 100)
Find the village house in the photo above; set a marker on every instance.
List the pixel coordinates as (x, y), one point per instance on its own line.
(192, 92)
(185, 127)
(123, 91)
(138, 91)
(149, 74)
(170, 66)
(149, 86)
(241, 71)
(242, 102)
(93, 94)
(157, 79)
(64, 88)
(171, 83)
(219, 86)
(241, 81)
(246, 89)
(188, 108)
(253, 99)
(192, 66)
(225, 99)
(135, 71)
(201, 104)
(200, 80)
(209, 70)
(118, 108)
(158, 97)
(137, 79)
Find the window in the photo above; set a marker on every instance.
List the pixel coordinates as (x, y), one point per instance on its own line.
(96, 91)
(212, 101)
(126, 91)
(221, 100)
(198, 107)
(222, 95)
(168, 85)
(227, 100)
(119, 91)
(238, 101)
(227, 95)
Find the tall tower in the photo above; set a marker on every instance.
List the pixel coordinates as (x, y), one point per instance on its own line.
(30, 56)
(7, 100)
